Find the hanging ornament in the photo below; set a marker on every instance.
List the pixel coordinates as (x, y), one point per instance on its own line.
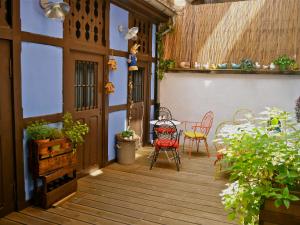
(109, 88)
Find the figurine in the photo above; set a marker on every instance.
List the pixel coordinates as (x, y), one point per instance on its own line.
(257, 65)
(109, 88)
(206, 66)
(235, 66)
(265, 67)
(112, 64)
(132, 61)
(213, 66)
(272, 66)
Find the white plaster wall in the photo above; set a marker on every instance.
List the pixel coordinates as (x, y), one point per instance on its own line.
(191, 95)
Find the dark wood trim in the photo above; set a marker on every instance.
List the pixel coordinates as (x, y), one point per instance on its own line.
(111, 162)
(116, 108)
(53, 118)
(152, 102)
(143, 9)
(86, 48)
(41, 39)
(119, 53)
(6, 33)
(17, 105)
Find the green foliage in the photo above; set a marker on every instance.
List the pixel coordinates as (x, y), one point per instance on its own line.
(163, 65)
(38, 130)
(74, 130)
(56, 134)
(247, 65)
(284, 62)
(265, 163)
(127, 134)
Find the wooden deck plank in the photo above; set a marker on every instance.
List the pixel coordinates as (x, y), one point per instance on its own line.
(162, 205)
(87, 187)
(78, 216)
(25, 219)
(50, 217)
(135, 195)
(4, 221)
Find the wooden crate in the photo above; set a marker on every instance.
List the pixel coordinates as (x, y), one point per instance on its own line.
(280, 216)
(54, 164)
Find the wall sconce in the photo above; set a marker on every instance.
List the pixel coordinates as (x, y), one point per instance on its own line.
(129, 34)
(55, 10)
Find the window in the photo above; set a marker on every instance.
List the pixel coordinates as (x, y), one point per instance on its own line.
(85, 85)
(138, 85)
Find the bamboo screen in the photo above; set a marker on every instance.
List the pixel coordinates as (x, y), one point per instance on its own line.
(227, 32)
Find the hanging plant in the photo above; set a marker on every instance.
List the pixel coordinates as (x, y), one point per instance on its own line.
(163, 65)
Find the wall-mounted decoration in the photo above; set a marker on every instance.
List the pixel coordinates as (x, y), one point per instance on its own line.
(129, 34)
(132, 60)
(109, 88)
(55, 10)
(112, 64)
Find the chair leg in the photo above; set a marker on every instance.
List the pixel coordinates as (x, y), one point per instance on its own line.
(154, 158)
(183, 144)
(198, 143)
(178, 156)
(191, 147)
(206, 146)
(175, 158)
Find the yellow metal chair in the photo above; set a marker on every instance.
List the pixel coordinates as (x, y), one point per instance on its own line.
(198, 131)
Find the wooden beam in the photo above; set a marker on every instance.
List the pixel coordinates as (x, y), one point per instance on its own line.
(143, 9)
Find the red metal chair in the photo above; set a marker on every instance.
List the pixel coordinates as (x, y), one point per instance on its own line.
(198, 131)
(167, 140)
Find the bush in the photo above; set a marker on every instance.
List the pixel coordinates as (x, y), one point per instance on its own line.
(265, 164)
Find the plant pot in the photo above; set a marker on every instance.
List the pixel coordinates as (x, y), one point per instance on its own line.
(283, 67)
(125, 150)
(280, 216)
(43, 151)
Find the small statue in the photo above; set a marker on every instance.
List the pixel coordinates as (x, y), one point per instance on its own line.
(112, 63)
(109, 88)
(132, 61)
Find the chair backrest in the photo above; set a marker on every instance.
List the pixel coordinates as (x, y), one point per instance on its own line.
(165, 130)
(206, 122)
(164, 113)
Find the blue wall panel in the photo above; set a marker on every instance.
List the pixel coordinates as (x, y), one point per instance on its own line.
(153, 40)
(152, 80)
(34, 21)
(41, 68)
(118, 16)
(117, 123)
(119, 78)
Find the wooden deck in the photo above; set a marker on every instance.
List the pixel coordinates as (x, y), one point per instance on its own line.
(136, 195)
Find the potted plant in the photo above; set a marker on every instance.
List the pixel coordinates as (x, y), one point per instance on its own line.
(74, 130)
(39, 132)
(247, 65)
(284, 62)
(56, 134)
(265, 165)
(297, 109)
(126, 146)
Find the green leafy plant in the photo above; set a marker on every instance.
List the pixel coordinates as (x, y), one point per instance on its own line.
(247, 65)
(127, 134)
(297, 109)
(163, 65)
(39, 130)
(284, 62)
(56, 134)
(265, 163)
(74, 130)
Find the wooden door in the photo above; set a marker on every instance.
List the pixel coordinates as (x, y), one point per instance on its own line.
(140, 97)
(7, 203)
(83, 98)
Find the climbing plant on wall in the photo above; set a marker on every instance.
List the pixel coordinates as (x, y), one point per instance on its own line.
(163, 64)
